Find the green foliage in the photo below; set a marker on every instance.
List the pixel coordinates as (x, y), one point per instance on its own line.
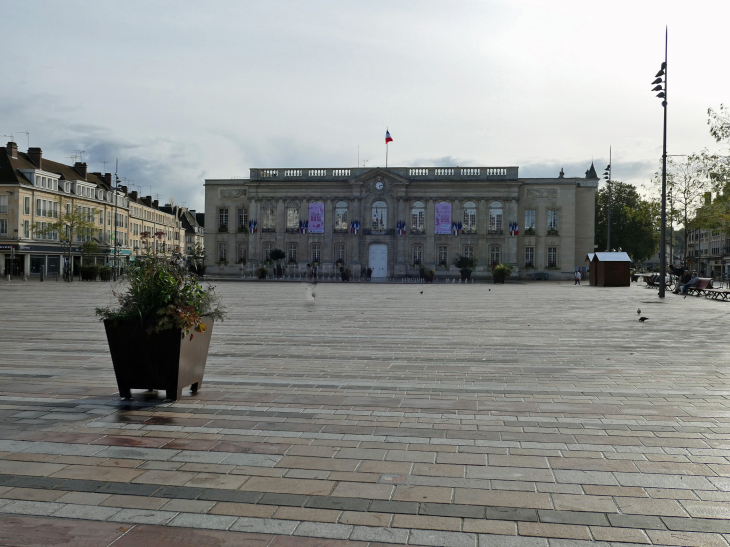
(277, 254)
(105, 273)
(464, 262)
(89, 272)
(89, 249)
(163, 294)
(196, 259)
(634, 221)
(502, 270)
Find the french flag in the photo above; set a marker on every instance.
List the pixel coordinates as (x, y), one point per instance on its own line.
(401, 227)
(388, 138)
(250, 226)
(352, 227)
(357, 227)
(255, 226)
(517, 229)
(301, 227)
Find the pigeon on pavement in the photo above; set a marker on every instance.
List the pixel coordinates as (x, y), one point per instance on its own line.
(642, 319)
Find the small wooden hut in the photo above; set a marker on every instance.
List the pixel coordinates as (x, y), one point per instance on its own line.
(611, 269)
(591, 269)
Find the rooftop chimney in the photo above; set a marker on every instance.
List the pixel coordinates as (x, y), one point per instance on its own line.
(107, 178)
(36, 156)
(124, 189)
(80, 169)
(12, 149)
(156, 204)
(148, 201)
(133, 195)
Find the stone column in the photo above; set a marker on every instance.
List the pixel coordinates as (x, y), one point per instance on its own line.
(401, 241)
(2, 264)
(481, 253)
(356, 240)
(430, 226)
(254, 256)
(280, 223)
(329, 227)
(26, 264)
(511, 242)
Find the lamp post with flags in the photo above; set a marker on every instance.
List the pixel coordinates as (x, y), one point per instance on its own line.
(663, 71)
(388, 139)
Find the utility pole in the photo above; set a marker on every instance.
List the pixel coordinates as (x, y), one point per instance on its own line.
(114, 193)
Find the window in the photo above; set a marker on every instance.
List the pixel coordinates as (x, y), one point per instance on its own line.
(242, 218)
(26, 228)
(340, 252)
(552, 257)
(530, 256)
(470, 217)
(55, 209)
(267, 251)
(292, 218)
(315, 252)
(341, 216)
(223, 218)
(495, 254)
(379, 216)
(417, 254)
(418, 218)
(292, 252)
(530, 222)
(269, 218)
(495, 218)
(443, 255)
(221, 251)
(552, 222)
(242, 253)
(37, 207)
(3, 227)
(469, 251)
(26, 205)
(4, 204)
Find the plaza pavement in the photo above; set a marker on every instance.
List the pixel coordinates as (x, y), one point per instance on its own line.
(531, 414)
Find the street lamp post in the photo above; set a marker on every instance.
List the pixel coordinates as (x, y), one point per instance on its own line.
(662, 240)
(607, 176)
(115, 187)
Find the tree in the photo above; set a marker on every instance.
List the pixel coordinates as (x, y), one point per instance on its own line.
(688, 182)
(70, 225)
(276, 255)
(633, 221)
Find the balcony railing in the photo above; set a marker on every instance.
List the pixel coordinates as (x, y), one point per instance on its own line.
(496, 232)
(416, 173)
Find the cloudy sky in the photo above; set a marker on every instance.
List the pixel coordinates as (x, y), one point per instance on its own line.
(181, 91)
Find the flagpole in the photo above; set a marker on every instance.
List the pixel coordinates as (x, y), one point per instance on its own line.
(386, 155)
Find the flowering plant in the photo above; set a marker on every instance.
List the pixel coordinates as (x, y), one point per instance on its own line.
(164, 294)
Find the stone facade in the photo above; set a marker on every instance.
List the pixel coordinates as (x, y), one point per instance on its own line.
(554, 216)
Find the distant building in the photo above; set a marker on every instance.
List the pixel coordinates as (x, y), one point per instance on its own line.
(35, 190)
(191, 233)
(395, 220)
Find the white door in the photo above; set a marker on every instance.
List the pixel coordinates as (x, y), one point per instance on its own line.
(379, 260)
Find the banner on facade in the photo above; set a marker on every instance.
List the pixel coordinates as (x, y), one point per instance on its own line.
(316, 218)
(443, 218)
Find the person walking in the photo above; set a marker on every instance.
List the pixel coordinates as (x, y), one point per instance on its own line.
(577, 277)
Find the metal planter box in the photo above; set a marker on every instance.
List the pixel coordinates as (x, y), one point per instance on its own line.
(164, 360)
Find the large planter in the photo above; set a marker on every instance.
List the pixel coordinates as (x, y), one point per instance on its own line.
(499, 278)
(165, 360)
(465, 274)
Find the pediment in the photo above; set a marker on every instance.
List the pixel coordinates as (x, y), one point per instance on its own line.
(379, 173)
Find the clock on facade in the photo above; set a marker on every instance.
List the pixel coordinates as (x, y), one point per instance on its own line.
(379, 185)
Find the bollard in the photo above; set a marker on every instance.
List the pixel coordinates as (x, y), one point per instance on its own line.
(43, 270)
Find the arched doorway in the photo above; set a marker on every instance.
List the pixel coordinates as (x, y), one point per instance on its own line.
(379, 259)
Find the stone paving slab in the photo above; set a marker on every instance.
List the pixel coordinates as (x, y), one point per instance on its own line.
(524, 414)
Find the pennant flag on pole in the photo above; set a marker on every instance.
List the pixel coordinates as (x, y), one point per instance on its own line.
(388, 138)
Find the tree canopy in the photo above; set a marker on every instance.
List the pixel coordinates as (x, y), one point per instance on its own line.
(634, 221)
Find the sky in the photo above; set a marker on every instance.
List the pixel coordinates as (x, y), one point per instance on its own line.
(180, 91)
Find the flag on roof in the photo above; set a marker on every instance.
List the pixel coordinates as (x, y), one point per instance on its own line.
(388, 138)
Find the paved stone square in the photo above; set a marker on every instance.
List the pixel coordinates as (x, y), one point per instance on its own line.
(517, 415)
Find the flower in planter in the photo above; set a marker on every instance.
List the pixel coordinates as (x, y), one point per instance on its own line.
(164, 294)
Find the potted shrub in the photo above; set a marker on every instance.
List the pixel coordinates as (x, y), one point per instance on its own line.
(88, 272)
(428, 275)
(345, 274)
(277, 255)
(369, 273)
(262, 272)
(160, 334)
(529, 232)
(500, 272)
(196, 259)
(466, 265)
(105, 273)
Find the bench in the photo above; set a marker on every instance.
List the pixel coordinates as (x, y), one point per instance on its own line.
(704, 284)
(718, 293)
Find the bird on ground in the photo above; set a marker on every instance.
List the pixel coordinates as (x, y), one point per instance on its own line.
(638, 311)
(421, 292)
(642, 319)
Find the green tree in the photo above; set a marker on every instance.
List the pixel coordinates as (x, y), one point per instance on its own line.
(71, 225)
(633, 221)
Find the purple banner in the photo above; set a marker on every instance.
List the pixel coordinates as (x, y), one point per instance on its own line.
(443, 218)
(316, 218)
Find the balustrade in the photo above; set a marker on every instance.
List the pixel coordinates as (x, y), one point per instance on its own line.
(418, 172)
(269, 173)
(293, 173)
(317, 173)
(471, 172)
(443, 172)
(340, 172)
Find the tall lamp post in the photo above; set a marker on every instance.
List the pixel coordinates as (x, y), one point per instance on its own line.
(115, 188)
(663, 96)
(607, 176)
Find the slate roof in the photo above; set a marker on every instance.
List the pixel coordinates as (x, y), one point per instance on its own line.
(613, 257)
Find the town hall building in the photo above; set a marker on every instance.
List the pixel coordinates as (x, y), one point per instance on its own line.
(395, 220)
